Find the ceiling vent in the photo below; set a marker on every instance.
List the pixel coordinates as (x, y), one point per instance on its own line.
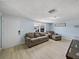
(52, 11)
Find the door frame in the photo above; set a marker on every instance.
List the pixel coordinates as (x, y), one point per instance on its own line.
(1, 32)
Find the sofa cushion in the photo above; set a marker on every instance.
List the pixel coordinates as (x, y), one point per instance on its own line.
(39, 38)
(52, 32)
(42, 37)
(36, 34)
(31, 35)
(34, 39)
(42, 34)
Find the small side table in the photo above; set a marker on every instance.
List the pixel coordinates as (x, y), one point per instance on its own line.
(56, 37)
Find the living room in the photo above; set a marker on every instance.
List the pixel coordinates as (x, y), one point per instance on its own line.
(56, 19)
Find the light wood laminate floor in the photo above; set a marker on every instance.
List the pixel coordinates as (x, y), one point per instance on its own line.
(47, 50)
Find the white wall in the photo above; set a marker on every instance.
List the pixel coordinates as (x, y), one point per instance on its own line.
(25, 27)
(69, 32)
(11, 25)
(49, 27)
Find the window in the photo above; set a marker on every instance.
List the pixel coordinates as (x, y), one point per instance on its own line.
(39, 27)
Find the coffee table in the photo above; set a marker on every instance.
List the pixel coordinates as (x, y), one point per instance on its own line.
(73, 51)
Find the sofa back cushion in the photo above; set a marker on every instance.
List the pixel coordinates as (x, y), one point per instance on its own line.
(31, 35)
(36, 34)
(42, 34)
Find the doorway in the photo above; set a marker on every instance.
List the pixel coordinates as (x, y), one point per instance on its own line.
(39, 27)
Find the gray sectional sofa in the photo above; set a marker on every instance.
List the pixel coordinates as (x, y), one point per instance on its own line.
(35, 38)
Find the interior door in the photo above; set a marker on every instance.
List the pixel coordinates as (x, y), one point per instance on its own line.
(0, 33)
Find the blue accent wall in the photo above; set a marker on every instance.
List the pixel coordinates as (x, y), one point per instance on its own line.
(70, 31)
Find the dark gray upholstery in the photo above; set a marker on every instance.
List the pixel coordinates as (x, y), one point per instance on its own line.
(32, 39)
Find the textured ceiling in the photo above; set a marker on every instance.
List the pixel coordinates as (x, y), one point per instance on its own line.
(38, 9)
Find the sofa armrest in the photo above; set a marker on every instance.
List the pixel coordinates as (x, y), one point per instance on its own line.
(47, 35)
(27, 40)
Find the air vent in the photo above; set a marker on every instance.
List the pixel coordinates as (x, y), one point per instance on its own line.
(51, 11)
